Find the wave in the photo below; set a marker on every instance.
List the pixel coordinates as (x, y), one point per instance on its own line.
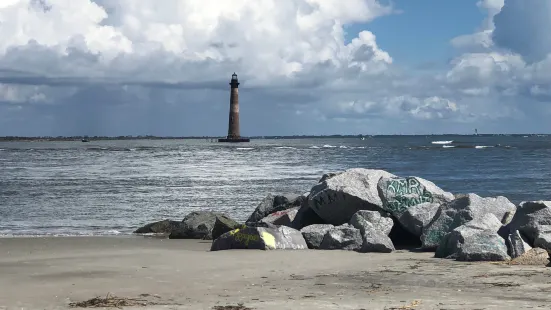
(482, 146)
(442, 142)
(245, 148)
(286, 147)
(39, 234)
(448, 146)
(328, 146)
(343, 147)
(314, 147)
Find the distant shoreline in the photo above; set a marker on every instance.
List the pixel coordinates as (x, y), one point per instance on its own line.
(107, 138)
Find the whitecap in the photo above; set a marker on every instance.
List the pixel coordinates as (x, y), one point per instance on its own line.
(245, 148)
(314, 147)
(482, 146)
(442, 142)
(448, 146)
(286, 147)
(328, 146)
(343, 147)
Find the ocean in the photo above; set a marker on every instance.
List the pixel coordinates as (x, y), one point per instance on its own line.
(112, 187)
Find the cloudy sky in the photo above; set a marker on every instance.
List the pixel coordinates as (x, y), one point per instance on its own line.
(162, 67)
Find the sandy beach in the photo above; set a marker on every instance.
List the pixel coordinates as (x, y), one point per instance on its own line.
(50, 273)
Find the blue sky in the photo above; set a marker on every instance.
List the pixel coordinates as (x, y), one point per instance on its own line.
(422, 31)
(112, 67)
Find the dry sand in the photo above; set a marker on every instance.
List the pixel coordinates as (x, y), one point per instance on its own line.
(49, 273)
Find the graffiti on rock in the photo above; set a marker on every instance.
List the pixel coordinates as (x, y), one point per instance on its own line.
(404, 193)
(243, 237)
(327, 197)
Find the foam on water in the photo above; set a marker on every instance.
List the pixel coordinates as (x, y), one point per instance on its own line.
(442, 142)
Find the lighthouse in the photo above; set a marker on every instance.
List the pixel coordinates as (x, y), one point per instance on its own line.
(234, 134)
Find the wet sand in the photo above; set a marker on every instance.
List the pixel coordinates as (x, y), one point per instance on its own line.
(49, 273)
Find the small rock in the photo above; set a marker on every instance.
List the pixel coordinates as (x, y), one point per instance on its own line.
(313, 234)
(271, 204)
(375, 241)
(371, 220)
(285, 217)
(161, 227)
(418, 216)
(516, 244)
(344, 237)
(196, 225)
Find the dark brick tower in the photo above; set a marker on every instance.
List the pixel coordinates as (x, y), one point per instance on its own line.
(234, 134)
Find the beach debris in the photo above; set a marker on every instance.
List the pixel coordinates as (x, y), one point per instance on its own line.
(222, 225)
(261, 238)
(197, 225)
(460, 211)
(274, 203)
(344, 237)
(284, 217)
(111, 301)
(412, 305)
(161, 227)
(534, 257)
(338, 198)
(313, 234)
(239, 306)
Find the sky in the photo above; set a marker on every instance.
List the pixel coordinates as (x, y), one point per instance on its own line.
(306, 67)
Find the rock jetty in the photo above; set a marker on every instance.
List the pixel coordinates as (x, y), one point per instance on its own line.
(368, 210)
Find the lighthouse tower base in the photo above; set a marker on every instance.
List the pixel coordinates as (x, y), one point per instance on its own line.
(234, 140)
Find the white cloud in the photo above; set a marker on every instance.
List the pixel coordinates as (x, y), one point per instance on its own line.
(162, 67)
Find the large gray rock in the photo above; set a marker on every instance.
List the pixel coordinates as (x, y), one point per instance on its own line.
(471, 233)
(196, 225)
(516, 244)
(460, 211)
(344, 237)
(371, 220)
(337, 198)
(399, 194)
(313, 234)
(530, 217)
(162, 227)
(222, 225)
(261, 238)
(271, 204)
(543, 239)
(285, 217)
(306, 217)
(415, 218)
(483, 246)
